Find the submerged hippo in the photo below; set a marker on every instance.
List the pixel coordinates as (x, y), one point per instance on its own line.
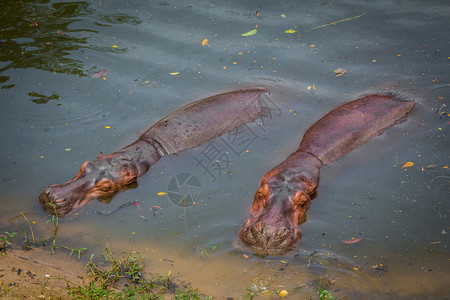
(286, 191)
(186, 128)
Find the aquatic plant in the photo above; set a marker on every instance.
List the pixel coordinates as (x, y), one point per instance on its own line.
(5, 240)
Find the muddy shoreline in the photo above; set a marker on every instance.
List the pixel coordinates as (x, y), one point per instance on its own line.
(36, 274)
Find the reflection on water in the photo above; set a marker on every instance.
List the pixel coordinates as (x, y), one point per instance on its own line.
(44, 34)
(50, 51)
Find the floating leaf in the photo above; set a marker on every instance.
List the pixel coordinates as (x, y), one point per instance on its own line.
(205, 42)
(290, 31)
(340, 71)
(353, 241)
(251, 32)
(100, 74)
(161, 194)
(174, 73)
(245, 255)
(408, 164)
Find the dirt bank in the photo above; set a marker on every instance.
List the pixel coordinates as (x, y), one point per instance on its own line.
(36, 274)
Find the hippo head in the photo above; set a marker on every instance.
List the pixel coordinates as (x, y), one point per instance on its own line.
(101, 178)
(280, 205)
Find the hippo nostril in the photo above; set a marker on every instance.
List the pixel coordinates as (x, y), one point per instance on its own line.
(259, 227)
(281, 232)
(59, 200)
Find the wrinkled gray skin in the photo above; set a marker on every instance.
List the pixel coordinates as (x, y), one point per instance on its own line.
(286, 191)
(186, 128)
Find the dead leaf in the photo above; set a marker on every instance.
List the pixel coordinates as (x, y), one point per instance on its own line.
(408, 164)
(100, 74)
(205, 42)
(340, 71)
(353, 241)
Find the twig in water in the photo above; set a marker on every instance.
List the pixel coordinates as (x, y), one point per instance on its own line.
(336, 22)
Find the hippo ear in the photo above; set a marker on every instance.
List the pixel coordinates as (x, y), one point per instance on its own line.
(265, 189)
(100, 155)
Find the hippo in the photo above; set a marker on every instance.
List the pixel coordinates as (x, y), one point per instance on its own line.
(185, 128)
(286, 191)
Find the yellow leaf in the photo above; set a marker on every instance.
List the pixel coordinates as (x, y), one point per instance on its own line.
(251, 32)
(107, 127)
(408, 164)
(174, 73)
(290, 31)
(161, 194)
(205, 42)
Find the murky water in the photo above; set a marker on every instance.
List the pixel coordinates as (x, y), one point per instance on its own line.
(55, 115)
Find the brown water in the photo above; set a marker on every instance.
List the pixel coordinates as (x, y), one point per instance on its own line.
(54, 115)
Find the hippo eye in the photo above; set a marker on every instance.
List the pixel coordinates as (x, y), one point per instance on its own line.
(300, 199)
(129, 176)
(104, 185)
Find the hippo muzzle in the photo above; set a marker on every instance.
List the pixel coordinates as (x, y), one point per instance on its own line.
(277, 211)
(267, 239)
(101, 178)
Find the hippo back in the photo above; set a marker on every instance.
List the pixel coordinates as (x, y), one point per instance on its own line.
(203, 120)
(352, 124)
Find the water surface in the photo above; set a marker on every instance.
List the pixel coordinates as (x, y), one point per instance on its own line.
(57, 111)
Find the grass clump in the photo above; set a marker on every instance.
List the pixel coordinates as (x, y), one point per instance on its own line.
(124, 278)
(323, 285)
(5, 240)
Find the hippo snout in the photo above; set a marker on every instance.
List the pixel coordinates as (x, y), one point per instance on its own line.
(268, 239)
(53, 203)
